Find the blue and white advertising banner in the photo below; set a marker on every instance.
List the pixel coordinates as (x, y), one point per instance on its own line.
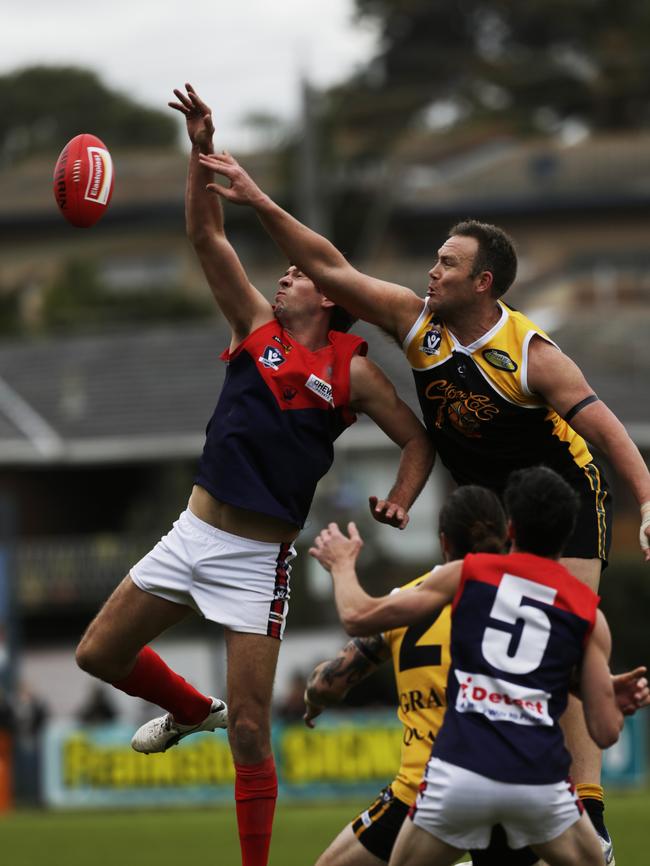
(625, 763)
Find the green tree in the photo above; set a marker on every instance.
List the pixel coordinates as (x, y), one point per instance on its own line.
(45, 106)
(533, 65)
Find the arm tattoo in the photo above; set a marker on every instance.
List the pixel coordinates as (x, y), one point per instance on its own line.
(335, 678)
(374, 648)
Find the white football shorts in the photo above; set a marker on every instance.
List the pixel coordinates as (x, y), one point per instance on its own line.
(460, 808)
(240, 583)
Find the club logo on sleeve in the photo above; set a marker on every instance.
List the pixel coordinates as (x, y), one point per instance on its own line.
(431, 342)
(271, 358)
(501, 701)
(320, 387)
(500, 359)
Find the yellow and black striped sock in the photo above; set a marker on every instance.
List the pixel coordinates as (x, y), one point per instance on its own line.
(593, 799)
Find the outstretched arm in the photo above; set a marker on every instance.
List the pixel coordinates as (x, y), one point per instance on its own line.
(603, 717)
(330, 681)
(560, 381)
(631, 690)
(362, 614)
(240, 302)
(374, 394)
(389, 305)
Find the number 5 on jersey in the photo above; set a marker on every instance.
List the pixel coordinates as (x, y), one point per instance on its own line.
(512, 605)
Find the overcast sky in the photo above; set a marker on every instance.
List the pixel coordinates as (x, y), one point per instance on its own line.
(243, 56)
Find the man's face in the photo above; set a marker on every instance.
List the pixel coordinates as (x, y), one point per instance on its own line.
(451, 284)
(296, 294)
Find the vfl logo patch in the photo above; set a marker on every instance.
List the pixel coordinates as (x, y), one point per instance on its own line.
(271, 358)
(320, 387)
(501, 701)
(431, 342)
(500, 359)
(100, 175)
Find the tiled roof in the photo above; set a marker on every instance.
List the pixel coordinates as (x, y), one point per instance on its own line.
(125, 394)
(511, 174)
(146, 394)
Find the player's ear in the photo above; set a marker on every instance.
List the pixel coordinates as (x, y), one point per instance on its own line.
(326, 304)
(484, 282)
(445, 547)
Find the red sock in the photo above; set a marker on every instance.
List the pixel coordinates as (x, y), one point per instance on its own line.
(152, 680)
(256, 790)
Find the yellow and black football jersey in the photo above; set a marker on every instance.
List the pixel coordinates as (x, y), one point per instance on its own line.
(421, 662)
(477, 406)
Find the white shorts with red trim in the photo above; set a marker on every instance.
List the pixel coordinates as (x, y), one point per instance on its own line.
(240, 583)
(460, 808)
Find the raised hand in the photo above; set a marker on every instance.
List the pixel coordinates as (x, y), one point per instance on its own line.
(242, 189)
(333, 549)
(198, 117)
(388, 512)
(631, 690)
(644, 532)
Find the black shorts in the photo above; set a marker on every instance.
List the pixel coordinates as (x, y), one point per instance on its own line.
(592, 536)
(499, 854)
(378, 826)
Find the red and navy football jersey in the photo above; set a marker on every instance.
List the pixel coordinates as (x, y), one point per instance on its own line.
(519, 626)
(270, 438)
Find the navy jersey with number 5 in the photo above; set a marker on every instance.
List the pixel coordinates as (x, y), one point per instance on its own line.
(519, 626)
(270, 438)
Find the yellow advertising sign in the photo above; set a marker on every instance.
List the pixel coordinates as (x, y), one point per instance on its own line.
(97, 767)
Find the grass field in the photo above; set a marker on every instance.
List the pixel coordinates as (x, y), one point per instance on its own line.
(173, 837)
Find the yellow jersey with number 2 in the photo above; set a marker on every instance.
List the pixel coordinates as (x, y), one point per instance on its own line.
(421, 662)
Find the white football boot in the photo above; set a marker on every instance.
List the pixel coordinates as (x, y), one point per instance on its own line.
(608, 850)
(160, 734)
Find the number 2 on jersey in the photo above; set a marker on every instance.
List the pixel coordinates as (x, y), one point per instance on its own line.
(413, 655)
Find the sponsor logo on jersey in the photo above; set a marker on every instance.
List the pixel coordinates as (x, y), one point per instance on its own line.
(100, 174)
(501, 701)
(288, 394)
(271, 358)
(463, 409)
(500, 359)
(366, 819)
(320, 387)
(431, 342)
(287, 348)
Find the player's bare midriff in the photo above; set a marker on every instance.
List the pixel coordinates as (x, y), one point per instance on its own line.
(239, 521)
